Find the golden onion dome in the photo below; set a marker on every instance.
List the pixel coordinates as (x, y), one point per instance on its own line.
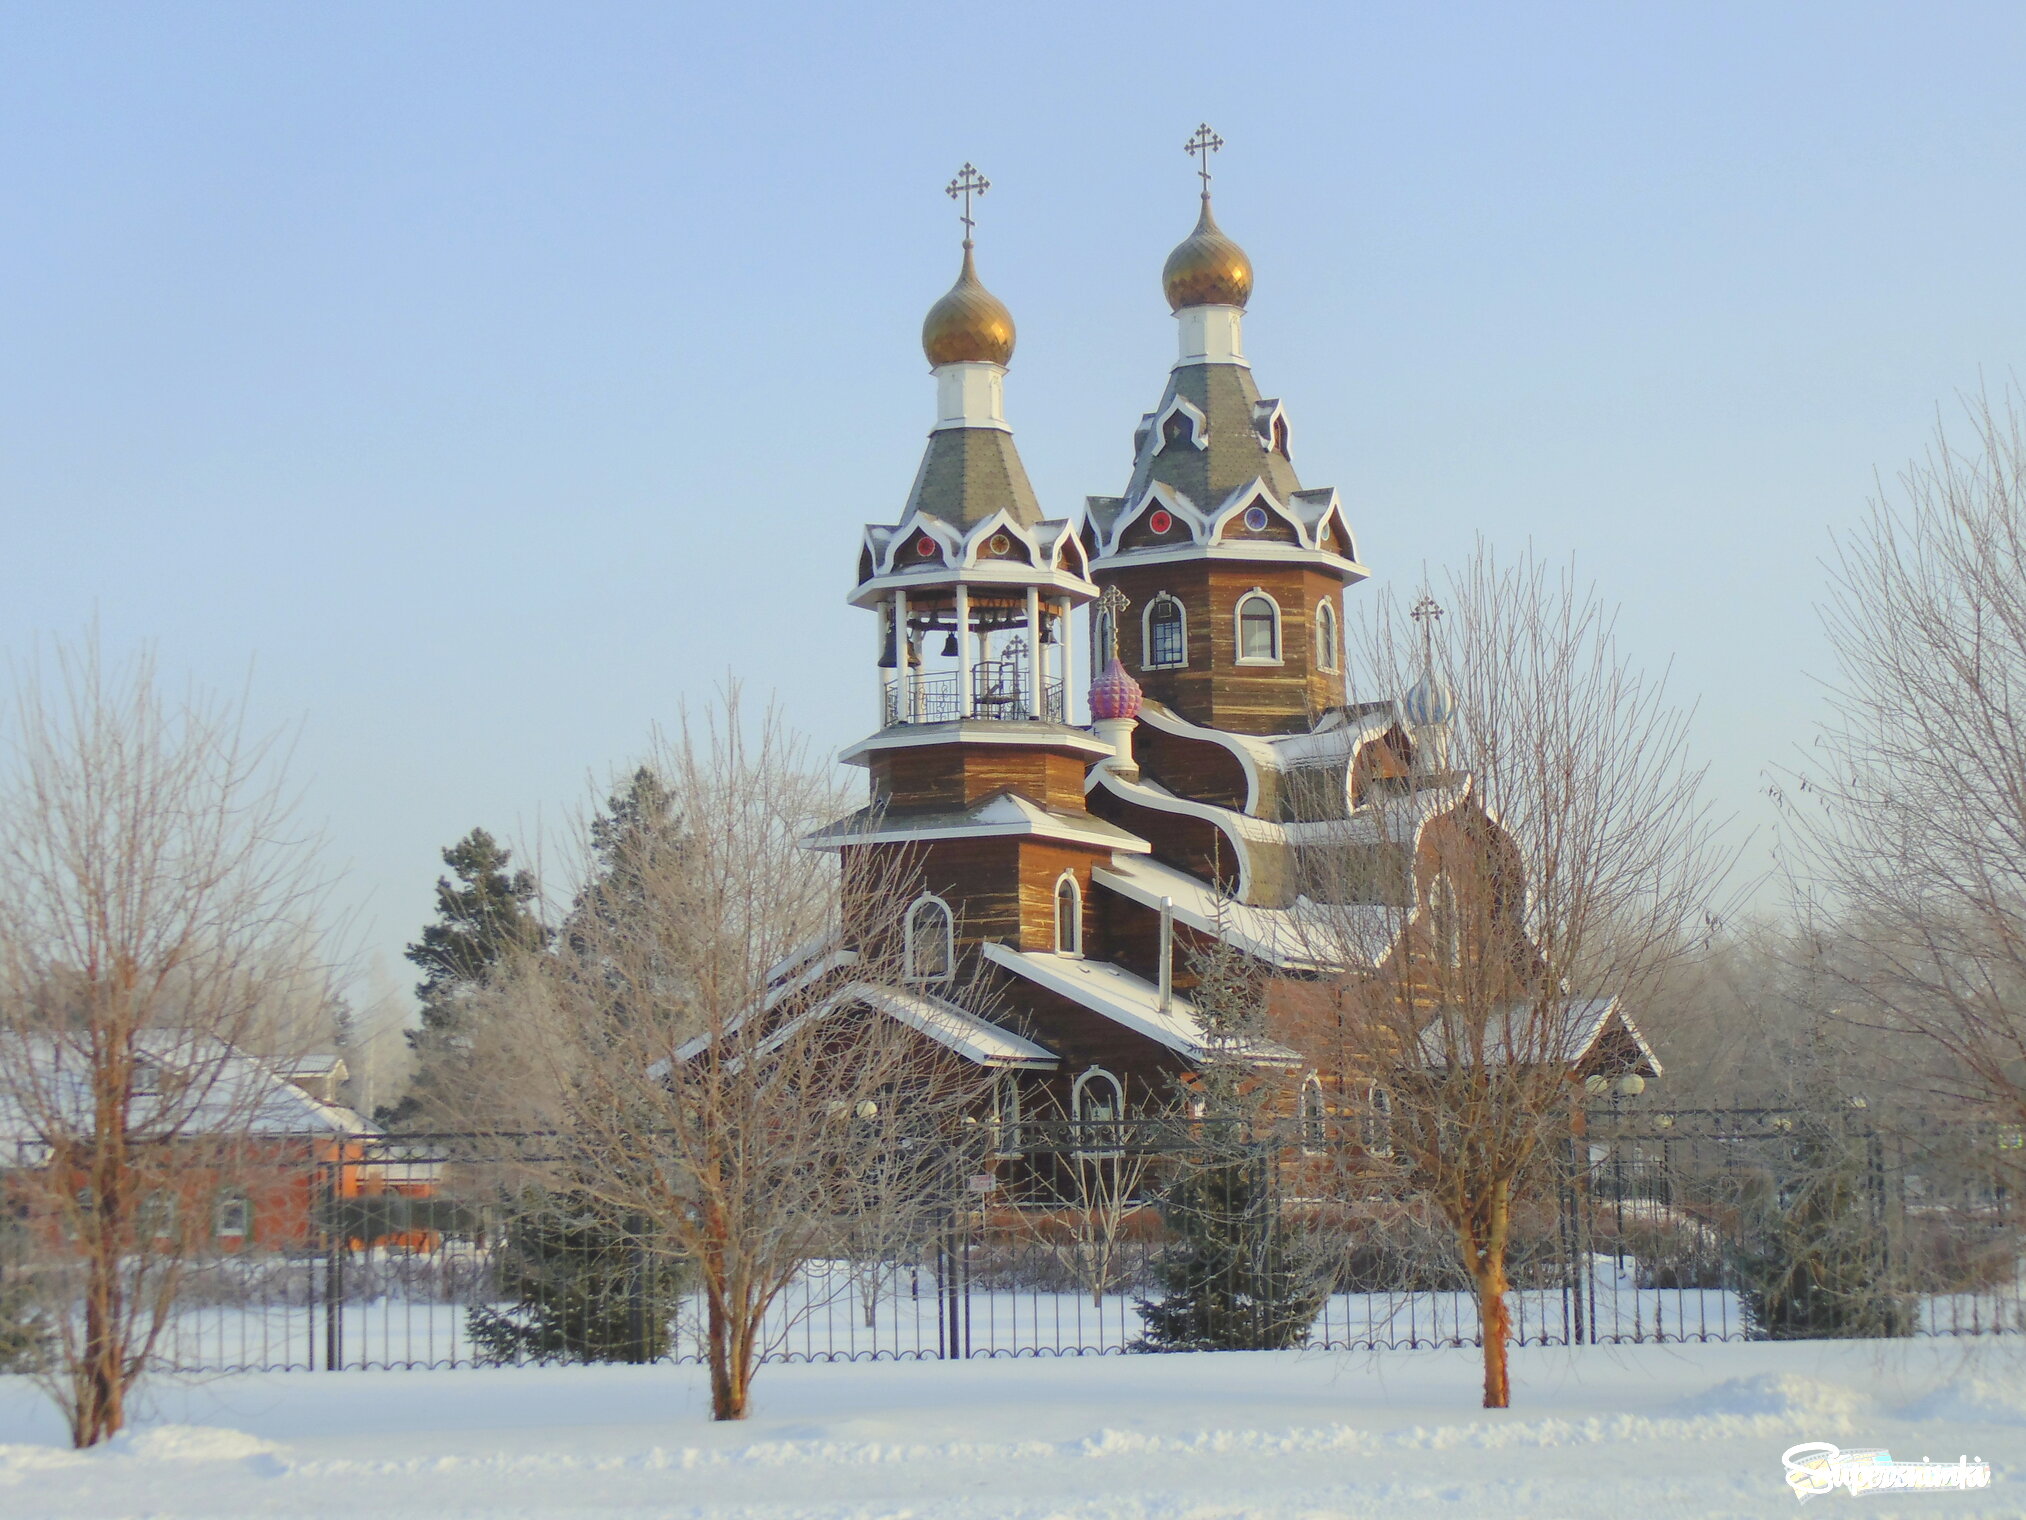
(969, 324)
(1207, 268)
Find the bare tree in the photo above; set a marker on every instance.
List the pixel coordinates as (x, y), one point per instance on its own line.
(731, 1046)
(155, 910)
(1547, 856)
(1915, 842)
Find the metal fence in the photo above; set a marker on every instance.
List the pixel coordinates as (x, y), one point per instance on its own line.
(1646, 1226)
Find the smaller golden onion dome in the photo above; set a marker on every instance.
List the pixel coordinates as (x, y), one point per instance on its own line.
(969, 324)
(1207, 268)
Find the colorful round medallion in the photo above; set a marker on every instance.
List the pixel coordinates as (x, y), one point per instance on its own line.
(1256, 519)
(925, 547)
(1161, 520)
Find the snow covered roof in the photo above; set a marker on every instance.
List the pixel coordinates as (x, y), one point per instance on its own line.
(1289, 938)
(1129, 1001)
(187, 1084)
(1002, 813)
(1574, 1031)
(1390, 818)
(971, 1037)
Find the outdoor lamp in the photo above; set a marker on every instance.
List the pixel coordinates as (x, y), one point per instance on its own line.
(1631, 1085)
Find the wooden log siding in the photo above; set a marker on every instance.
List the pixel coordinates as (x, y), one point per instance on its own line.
(945, 777)
(1214, 689)
(1133, 937)
(1192, 768)
(1195, 845)
(1082, 1039)
(1003, 889)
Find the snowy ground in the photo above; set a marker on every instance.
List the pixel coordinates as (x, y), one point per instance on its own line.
(1655, 1432)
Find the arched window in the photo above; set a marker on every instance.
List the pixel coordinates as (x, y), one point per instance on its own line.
(1009, 1137)
(1097, 1102)
(1258, 629)
(1326, 645)
(1101, 646)
(1445, 922)
(1280, 437)
(931, 940)
(1179, 428)
(1314, 1131)
(1167, 635)
(1068, 915)
(1375, 1122)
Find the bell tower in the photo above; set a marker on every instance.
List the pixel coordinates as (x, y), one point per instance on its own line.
(1234, 571)
(974, 766)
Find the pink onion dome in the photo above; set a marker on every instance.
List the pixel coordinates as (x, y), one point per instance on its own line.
(1114, 694)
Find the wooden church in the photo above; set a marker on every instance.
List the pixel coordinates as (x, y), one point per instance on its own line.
(1080, 868)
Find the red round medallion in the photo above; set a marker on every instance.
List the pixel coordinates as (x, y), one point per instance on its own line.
(925, 547)
(1160, 520)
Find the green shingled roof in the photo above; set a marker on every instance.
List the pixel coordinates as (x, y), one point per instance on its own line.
(967, 474)
(1227, 395)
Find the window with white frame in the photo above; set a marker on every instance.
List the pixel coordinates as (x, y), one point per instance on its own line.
(1326, 643)
(931, 933)
(1167, 635)
(1068, 915)
(1258, 618)
(1445, 922)
(1009, 1138)
(1375, 1122)
(1314, 1131)
(233, 1217)
(1097, 1102)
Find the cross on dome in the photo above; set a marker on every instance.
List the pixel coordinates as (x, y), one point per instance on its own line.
(1201, 144)
(1113, 605)
(968, 183)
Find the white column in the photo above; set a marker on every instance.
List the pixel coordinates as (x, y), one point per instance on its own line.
(886, 686)
(1035, 653)
(904, 709)
(963, 650)
(1062, 653)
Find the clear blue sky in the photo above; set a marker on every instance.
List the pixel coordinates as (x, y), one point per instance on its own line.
(493, 377)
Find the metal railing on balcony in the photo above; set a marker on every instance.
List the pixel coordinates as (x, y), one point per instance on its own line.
(998, 690)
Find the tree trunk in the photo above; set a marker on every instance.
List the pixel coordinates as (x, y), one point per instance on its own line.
(731, 1362)
(1485, 1236)
(99, 1382)
(1495, 1320)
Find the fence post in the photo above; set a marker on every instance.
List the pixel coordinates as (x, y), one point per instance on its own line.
(334, 1277)
(636, 1292)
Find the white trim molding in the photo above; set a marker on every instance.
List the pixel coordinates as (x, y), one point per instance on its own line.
(1075, 945)
(1163, 599)
(948, 934)
(1240, 657)
(1327, 636)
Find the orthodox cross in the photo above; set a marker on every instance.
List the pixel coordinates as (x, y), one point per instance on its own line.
(1200, 146)
(1111, 607)
(1426, 614)
(969, 182)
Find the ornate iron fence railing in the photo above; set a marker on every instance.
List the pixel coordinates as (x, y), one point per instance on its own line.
(1646, 1226)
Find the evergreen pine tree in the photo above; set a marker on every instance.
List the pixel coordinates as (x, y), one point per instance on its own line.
(585, 1287)
(581, 1288)
(1236, 1277)
(27, 1336)
(482, 914)
(1816, 1257)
